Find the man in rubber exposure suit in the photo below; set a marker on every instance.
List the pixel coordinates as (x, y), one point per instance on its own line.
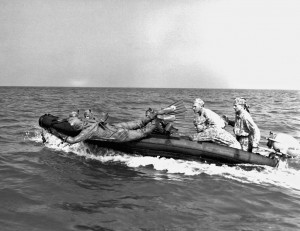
(91, 128)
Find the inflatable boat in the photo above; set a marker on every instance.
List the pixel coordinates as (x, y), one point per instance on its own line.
(177, 147)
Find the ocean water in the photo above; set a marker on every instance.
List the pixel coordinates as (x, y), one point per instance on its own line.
(54, 186)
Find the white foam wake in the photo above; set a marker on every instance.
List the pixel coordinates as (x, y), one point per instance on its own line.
(283, 176)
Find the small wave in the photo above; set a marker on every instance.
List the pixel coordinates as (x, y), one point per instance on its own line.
(9, 120)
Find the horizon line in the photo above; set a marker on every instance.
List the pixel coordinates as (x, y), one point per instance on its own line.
(209, 88)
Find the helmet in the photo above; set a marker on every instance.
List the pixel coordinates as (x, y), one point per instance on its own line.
(76, 123)
(74, 114)
(88, 114)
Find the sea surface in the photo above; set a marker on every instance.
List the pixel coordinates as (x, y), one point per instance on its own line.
(54, 186)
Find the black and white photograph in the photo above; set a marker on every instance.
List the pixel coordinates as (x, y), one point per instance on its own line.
(149, 115)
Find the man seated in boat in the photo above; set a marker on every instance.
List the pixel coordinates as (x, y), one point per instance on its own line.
(284, 143)
(92, 128)
(210, 127)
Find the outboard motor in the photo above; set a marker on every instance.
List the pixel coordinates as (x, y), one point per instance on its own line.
(284, 143)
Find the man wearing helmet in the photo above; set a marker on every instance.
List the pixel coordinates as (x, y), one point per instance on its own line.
(92, 128)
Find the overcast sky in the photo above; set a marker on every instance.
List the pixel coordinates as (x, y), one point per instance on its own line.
(150, 43)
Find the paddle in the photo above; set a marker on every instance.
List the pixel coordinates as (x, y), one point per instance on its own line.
(173, 109)
(170, 116)
(173, 112)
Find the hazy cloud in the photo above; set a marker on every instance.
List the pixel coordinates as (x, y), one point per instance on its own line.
(158, 43)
